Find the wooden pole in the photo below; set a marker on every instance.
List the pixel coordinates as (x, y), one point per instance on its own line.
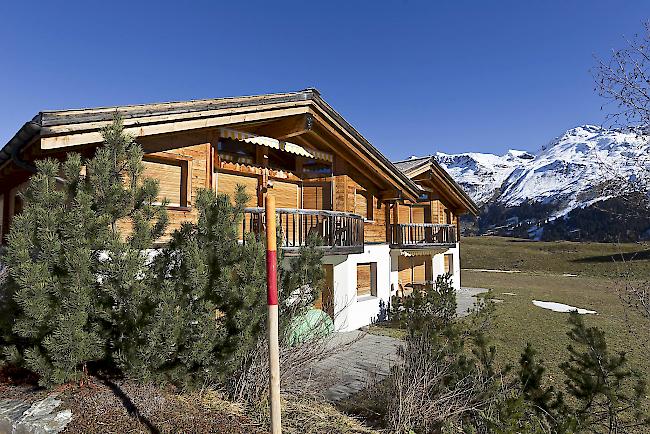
(272, 301)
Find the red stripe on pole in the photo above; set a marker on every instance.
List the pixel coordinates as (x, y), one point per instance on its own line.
(272, 277)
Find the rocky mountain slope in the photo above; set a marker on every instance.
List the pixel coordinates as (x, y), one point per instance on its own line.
(571, 172)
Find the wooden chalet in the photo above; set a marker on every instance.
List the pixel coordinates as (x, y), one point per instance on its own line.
(383, 225)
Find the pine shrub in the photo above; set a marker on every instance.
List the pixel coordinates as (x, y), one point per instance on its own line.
(74, 279)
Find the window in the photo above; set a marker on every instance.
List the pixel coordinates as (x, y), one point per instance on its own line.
(236, 151)
(449, 263)
(367, 279)
(418, 214)
(316, 169)
(363, 204)
(172, 176)
(448, 217)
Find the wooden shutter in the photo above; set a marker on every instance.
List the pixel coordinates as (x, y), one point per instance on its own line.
(227, 183)
(417, 214)
(404, 270)
(169, 177)
(316, 196)
(287, 194)
(421, 268)
(364, 286)
(404, 213)
(449, 263)
(325, 301)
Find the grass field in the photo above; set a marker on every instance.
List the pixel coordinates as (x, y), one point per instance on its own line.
(544, 274)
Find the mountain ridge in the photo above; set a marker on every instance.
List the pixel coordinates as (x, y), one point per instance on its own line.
(571, 171)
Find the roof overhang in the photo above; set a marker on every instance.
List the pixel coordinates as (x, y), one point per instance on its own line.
(58, 130)
(430, 166)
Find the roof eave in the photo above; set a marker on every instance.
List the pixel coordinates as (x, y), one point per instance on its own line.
(22, 138)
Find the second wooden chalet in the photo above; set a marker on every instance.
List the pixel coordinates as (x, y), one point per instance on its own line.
(385, 227)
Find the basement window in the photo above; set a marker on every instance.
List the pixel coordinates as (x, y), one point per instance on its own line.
(449, 264)
(367, 280)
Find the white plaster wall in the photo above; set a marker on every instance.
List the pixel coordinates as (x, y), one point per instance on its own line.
(351, 312)
(439, 265)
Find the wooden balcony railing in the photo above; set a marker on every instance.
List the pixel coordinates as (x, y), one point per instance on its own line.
(422, 234)
(339, 231)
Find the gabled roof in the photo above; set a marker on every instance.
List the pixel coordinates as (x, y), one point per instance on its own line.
(415, 166)
(412, 163)
(58, 129)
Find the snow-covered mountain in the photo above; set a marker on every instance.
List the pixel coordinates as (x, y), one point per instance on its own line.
(569, 172)
(482, 175)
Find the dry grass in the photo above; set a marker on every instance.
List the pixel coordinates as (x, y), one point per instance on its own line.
(556, 257)
(544, 265)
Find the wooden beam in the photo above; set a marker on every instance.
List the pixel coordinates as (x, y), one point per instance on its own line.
(390, 194)
(353, 149)
(286, 128)
(81, 138)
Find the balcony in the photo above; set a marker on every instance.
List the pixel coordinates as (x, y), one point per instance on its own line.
(422, 235)
(340, 232)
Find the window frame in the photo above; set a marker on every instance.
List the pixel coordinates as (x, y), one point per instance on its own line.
(185, 163)
(448, 265)
(373, 281)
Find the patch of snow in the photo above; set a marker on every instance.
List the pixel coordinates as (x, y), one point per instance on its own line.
(560, 307)
(569, 275)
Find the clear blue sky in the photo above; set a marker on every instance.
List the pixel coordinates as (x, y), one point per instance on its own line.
(413, 77)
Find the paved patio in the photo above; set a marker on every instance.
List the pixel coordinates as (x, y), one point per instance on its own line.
(466, 298)
(365, 356)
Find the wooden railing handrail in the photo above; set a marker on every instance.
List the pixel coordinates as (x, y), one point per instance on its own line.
(260, 210)
(341, 231)
(426, 225)
(423, 234)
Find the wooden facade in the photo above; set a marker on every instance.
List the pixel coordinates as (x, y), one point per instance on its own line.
(301, 150)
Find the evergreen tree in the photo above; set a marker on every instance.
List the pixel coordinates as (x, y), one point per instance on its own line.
(209, 311)
(73, 276)
(531, 377)
(608, 393)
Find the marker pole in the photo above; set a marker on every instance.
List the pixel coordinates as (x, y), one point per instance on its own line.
(272, 301)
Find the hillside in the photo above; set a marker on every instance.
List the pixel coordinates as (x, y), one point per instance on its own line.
(577, 171)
